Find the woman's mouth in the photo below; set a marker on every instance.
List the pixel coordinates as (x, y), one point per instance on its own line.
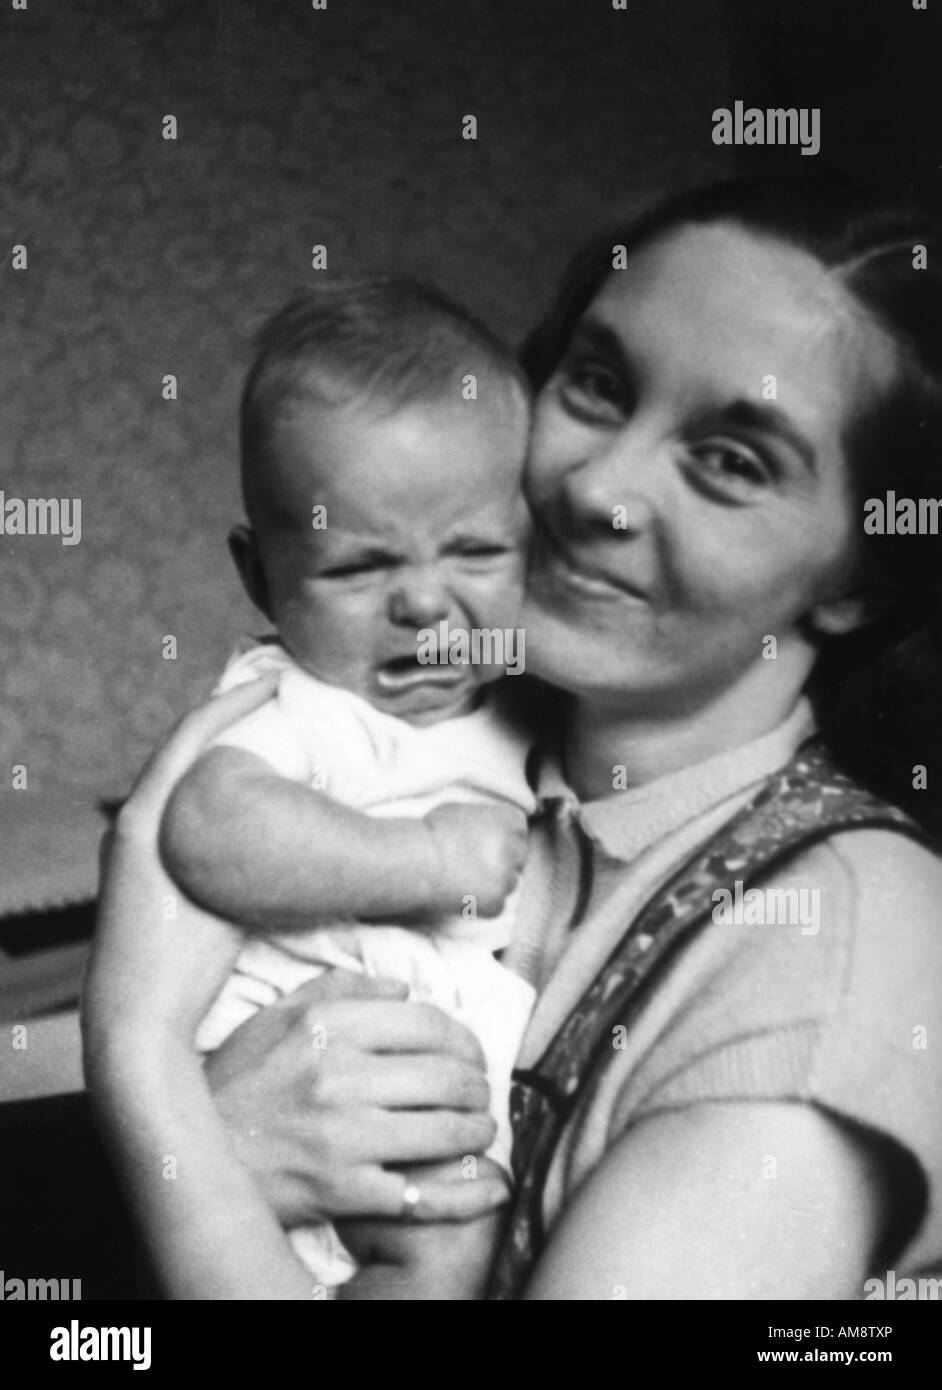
(555, 564)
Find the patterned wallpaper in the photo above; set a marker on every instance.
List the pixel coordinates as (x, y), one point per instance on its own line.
(148, 256)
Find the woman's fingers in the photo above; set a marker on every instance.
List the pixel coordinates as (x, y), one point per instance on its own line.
(276, 1045)
(458, 1191)
(343, 1137)
(378, 1192)
(348, 1080)
(459, 1201)
(382, 1025)
(407, 1136)
(186, 741)
(387, 1023)
(419, 1081)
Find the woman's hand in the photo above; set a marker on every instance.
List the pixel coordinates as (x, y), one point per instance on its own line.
(315, 1125)
(443, 1262)
(325, 1090)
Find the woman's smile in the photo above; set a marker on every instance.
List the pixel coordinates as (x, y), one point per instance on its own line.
(557, 567)
(655, 417)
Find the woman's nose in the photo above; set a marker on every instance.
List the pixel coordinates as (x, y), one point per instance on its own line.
(618, 483)
(418, 601)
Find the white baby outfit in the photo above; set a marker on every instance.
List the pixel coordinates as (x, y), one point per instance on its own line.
(335, 741)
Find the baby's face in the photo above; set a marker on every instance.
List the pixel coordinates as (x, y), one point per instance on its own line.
(425, 523)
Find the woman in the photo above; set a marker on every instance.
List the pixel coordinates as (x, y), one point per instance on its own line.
(699, 1082)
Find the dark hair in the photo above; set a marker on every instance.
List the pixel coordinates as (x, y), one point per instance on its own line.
(390, 341)
(878, 691)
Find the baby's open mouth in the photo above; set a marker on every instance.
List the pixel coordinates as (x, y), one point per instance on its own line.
(404, 672)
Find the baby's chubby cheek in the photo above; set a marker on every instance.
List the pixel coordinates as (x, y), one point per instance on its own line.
(509, 621)
(325, 643)
(501, 602)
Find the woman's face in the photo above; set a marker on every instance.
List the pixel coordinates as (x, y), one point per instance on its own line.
(688, 475)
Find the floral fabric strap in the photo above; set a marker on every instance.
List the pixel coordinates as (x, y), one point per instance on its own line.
(807, 801)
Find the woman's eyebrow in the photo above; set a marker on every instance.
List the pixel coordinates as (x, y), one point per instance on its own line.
(768, 419)
(760, 417)
(590, 332)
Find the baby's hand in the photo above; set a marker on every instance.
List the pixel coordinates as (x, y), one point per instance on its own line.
(481, 851)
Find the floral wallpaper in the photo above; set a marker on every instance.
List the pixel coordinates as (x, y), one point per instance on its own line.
(126, 257)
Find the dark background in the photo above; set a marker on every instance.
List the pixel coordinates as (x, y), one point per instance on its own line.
(148, 257)
(297, 127)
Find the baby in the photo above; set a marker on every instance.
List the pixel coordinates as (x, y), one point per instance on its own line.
(383, 438)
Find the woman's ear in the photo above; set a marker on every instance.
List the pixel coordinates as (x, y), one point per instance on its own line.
(243, 547)
(837, 617)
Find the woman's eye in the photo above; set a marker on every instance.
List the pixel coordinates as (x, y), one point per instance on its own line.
(592, 385)
(732, 467)
(481, 552)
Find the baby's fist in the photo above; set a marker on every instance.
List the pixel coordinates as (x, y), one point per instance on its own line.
(481, 853)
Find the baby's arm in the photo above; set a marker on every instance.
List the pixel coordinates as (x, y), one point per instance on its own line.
(261, 849)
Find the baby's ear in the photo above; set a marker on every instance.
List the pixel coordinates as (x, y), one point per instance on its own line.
(243, 547)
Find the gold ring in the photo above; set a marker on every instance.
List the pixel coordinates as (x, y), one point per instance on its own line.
(411, 1197)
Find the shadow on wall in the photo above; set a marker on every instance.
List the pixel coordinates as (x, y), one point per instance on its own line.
(871, 67)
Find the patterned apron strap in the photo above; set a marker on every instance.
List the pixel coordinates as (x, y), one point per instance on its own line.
(809, 800)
